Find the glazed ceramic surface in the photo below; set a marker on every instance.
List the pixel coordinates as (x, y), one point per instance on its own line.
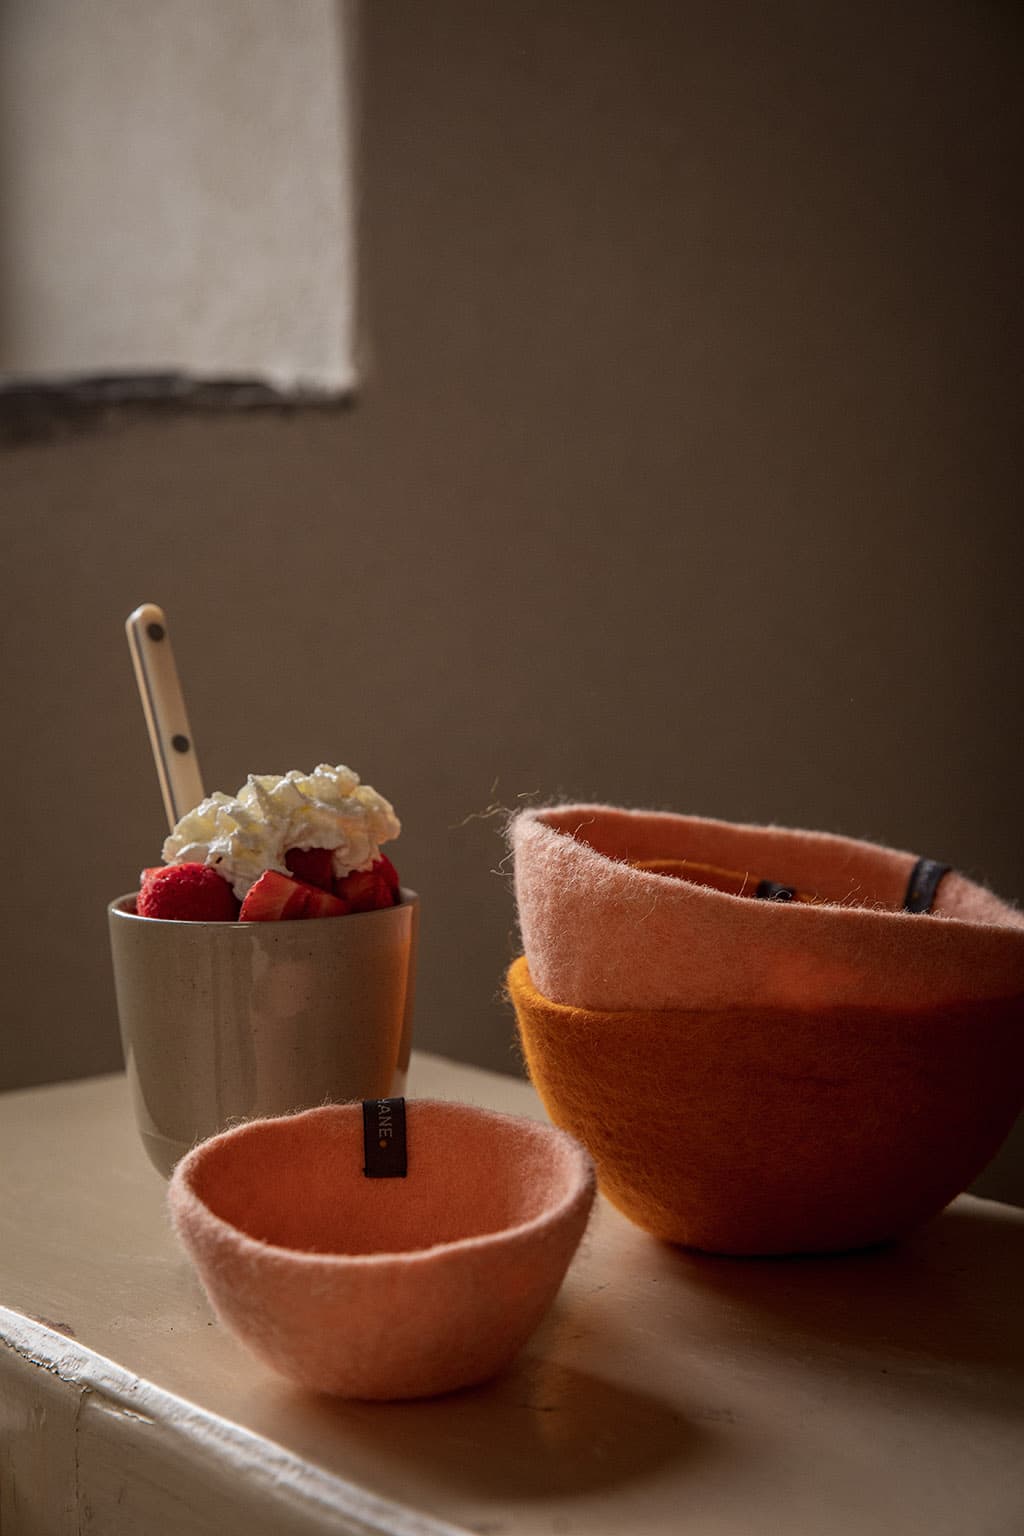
(226, 1021)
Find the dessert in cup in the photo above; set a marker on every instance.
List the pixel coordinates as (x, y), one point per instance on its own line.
(267, 964)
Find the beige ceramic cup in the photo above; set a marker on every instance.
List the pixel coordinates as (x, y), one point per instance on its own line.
(226, 1021)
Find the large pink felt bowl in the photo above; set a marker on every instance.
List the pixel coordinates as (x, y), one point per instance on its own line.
(384, 1288)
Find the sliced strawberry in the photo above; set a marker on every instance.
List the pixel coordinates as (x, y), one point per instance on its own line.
(276, 898)
(313, 865)
(271, 897)
(324, 904)
(367, 889)
(190, 893)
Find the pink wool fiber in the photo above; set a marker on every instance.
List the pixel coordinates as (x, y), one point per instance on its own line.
(599, 933)
(383, 1288)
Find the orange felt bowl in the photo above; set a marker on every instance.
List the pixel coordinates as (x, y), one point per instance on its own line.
(772, 1130)
(755, 1077)
(383, 1288)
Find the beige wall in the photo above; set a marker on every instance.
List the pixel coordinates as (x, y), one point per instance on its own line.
(683, 474)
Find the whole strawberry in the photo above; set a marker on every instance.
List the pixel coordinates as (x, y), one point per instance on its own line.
(186, 893)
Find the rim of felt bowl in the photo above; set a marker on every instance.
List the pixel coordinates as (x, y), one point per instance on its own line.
(535, 817)
(118, 908)
(584, 1184)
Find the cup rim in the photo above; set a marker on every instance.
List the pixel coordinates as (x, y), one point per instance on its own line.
(119, 909)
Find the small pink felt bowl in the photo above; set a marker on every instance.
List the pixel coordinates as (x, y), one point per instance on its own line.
(383, 1287)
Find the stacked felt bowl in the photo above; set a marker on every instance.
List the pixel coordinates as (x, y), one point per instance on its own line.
(768, 1041)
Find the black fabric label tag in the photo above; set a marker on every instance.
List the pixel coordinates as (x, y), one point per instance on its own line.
(923, 884)
(384, 1146)
(771, 890)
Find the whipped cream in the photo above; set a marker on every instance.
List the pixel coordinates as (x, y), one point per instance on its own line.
(242, 835)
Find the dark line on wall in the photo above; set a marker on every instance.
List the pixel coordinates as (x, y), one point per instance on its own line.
(35, 412)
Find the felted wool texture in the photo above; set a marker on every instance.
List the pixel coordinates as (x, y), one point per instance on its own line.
(776, 1130)
(383, 1288)
(600, 933)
